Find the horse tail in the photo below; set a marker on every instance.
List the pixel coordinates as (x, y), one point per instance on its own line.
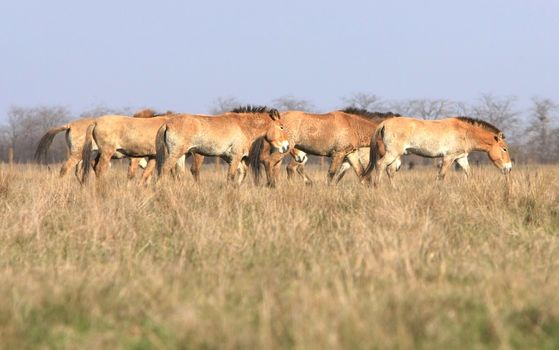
(46, 141)
(254, 157)
(374, 150)
(161, 149)
(87, 151)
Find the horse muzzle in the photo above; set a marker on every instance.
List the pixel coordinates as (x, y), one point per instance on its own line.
(507, 167)
(301, 158)
(283, 147)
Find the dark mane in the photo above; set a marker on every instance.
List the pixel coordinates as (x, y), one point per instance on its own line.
(367, 114)
(144, 113)
(481, 123)
(150, 113)
(164, 114)
(250, 109)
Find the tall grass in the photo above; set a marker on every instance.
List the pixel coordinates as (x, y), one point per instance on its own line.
(462, 264)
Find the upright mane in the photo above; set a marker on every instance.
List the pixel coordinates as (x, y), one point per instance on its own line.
(480, 123)
(250, 109)
(150, 113)
(368, 114)
(144, 113)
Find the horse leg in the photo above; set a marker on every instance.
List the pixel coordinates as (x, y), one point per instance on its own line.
(463, 162)
(291, 168)
(197, 161)
(268, 168)
(148, 171)
(447, 162)
(381, 166)
(71, 162)
(243, 170)
(353, 159)
(337, 159)
(392, 169)
(342, 171)
(301, 170)
(171, 161)
(102, 165)
(274, 160)
(133, 167)
(233, 166)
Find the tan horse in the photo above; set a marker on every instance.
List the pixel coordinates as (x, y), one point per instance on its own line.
(337, 135)
(228, 136)
(118, 135)
(452, 139)
(75, 137)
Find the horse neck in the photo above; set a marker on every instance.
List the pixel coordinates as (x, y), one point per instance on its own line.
(256, 125)
(480, 139)
(364, 129)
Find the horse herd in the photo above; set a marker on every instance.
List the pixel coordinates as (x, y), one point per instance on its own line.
(255, 137)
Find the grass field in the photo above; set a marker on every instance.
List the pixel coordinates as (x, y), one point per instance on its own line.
(177, 265)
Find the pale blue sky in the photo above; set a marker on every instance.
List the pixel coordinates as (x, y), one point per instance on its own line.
(181, 55)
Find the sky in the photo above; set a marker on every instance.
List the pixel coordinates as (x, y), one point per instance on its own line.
(182, 55)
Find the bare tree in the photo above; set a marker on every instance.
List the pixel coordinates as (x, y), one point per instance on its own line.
(370, 102)
(543, 138)
(424, 108)
(224, 104)
(290, 103)
(498, 111)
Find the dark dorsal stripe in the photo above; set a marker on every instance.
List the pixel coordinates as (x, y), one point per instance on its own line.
(250, 109)
(481, 123)
(368, 114)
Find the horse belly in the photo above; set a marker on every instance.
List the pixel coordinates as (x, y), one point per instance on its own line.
(314, 149)
(212, 149)
(432, 147)
(423, 152)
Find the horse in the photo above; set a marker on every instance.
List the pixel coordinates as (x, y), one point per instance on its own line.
(338, 135)
(230, 136)
(452, 139)
(75, 137)
(120, 136)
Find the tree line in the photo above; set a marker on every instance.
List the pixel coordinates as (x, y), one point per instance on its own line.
(532, 134)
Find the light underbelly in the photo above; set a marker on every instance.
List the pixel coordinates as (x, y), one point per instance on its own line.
(212, 149)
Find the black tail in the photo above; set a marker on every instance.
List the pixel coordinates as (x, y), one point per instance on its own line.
(87, 152)
(374, 151)
(46, 141)
(254, 157)
(161, 149)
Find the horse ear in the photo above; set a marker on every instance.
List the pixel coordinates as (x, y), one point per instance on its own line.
(274, 114)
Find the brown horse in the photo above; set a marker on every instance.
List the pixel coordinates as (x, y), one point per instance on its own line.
(228, 136)
(452, 139)
(118, 135)
(75, 137)
(337, 135)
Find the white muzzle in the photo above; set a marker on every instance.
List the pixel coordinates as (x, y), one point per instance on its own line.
(283, 147)
(301, 158)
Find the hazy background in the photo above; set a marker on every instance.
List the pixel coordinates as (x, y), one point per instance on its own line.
(181, 55)
(494, 60)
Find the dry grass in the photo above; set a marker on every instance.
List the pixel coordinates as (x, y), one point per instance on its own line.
(114, 265)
